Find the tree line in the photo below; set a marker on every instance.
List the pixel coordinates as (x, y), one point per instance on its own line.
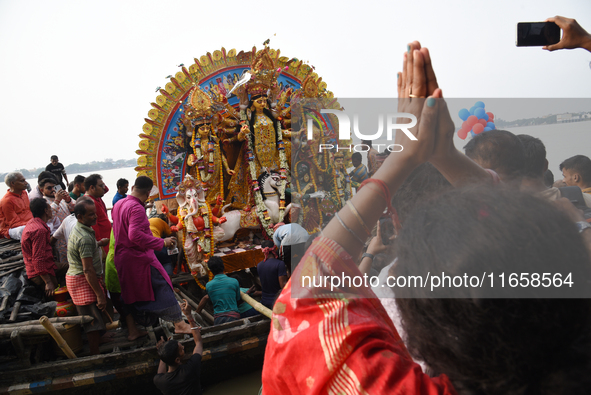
(77, 168)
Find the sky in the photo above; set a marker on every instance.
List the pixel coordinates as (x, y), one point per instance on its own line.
(77, 77)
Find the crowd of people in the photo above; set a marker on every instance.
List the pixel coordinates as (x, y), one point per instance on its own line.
(123, 266)
(487, 209)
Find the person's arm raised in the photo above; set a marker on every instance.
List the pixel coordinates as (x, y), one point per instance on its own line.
(573, 35)
(195, 330)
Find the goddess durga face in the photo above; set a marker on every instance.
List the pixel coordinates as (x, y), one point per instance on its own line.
(260, 104)
(204, 130)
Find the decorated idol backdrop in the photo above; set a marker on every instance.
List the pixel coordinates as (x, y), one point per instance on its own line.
(219, 141)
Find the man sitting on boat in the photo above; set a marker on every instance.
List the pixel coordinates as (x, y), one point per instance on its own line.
(37, 253)
(14, 207)
(180, 378)
(224, 293)
(85, 275)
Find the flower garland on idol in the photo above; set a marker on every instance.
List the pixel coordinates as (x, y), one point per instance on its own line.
(206, 241)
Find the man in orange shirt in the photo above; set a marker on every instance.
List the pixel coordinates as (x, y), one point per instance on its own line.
(14, 207)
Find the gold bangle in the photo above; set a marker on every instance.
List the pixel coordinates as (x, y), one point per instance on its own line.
(356, 214)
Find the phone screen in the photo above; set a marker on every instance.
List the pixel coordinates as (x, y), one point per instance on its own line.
(537, 34)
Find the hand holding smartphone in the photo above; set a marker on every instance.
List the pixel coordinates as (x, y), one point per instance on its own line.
(537, 34)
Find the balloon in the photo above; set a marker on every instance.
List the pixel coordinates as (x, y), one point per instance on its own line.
(490, 116)
(478, 128)
(472, 109)
(472, 119)
(490, 125)
(479, 104)
(487, 129)
(464, 114)
(463, 133)
(485, 117)
(480, 113)
(482, 122)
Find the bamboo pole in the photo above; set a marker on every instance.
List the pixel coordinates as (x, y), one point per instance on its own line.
(28, 330)
(13, 258)
(57, 337)
(15, 309)
(12, 270)
(257, 305)
(79, 319)
(11, 264)
(4, 303)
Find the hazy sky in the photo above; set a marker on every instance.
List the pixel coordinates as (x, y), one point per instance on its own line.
(77, 77)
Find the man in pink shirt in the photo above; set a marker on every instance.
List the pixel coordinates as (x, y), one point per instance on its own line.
(146, 289)
(14, 207)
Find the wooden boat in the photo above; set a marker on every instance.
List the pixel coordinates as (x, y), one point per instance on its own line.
(229, 349)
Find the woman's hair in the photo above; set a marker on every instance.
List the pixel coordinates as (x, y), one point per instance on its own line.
(489, 345)
(266, 111)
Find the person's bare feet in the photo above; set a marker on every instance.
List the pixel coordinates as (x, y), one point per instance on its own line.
(136, 335)
(133, 332)
(182, 327)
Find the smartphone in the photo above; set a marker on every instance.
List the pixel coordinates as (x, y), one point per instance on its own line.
(57, 188)
(537, 34)
(386, 230)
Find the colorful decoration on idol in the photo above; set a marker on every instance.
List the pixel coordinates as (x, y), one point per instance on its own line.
(265, 148)
(198, 226)
(476, 120)
(203, 121)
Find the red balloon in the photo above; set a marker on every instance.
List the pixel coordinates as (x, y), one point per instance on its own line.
(478, 128)
(472, 119)
(482, 122)
(463, 133)
(491, 116)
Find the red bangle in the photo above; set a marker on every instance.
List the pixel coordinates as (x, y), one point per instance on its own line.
(387, 197)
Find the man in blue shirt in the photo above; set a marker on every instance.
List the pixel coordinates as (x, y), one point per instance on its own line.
(224, 293)
(122, 188)
(272, 273)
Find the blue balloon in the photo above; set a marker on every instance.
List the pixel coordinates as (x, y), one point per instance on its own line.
(472, 109)
(485, 117)
(464, 114)
(479, 112)
(490, 125)
(479, 104)
(487, 129)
